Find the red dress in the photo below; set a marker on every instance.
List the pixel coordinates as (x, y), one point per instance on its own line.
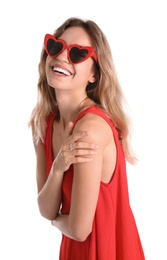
(114, 234)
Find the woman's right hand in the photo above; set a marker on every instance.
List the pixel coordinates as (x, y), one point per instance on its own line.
(72, 150)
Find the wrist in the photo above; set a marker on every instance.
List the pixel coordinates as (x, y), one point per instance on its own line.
(55, 171)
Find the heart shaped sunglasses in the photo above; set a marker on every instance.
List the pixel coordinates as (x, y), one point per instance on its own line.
(76, 53)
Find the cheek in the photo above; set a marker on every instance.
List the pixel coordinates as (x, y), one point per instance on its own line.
(47, 66)
(47, 63)
(85, 69)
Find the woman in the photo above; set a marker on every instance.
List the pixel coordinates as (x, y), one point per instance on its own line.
(80, 134)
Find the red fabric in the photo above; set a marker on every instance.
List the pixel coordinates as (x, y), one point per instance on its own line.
(114, 235)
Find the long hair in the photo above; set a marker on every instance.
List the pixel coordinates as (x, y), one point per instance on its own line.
(105, 91)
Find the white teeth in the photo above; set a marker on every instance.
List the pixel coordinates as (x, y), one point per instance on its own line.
(60, 70)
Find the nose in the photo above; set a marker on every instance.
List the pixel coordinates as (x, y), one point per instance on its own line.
(63, 56)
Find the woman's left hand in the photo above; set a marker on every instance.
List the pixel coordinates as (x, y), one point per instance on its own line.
(73, 151)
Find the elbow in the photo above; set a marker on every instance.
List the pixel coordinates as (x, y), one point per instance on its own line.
(81, 233)
(46, 215)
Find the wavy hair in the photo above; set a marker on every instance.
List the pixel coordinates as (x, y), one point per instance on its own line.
(105, 91)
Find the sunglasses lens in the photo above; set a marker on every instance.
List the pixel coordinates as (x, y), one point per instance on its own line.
(53, 47)
(77, 55)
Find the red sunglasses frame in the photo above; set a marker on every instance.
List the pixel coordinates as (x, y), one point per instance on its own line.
(90, 49)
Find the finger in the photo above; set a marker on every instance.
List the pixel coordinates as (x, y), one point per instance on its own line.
(73, 143)
(83, 145)
(69, 140)
(83, 153)
(79, 152)
(75, 137)
(80, 159)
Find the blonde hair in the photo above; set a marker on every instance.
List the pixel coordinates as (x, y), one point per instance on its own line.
(105, 91)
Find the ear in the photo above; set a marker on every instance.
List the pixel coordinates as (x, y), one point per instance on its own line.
(92, 79)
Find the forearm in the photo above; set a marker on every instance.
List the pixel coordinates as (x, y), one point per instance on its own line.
(64, 224)
(49, 198)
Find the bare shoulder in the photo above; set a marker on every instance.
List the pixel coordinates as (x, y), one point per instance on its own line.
(96, 126)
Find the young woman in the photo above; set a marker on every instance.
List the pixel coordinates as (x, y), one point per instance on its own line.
(80, 134)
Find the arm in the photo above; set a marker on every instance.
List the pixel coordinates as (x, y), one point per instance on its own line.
(86, 182)
(50, 189)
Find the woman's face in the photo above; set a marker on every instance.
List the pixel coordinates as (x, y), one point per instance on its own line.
(61, 73)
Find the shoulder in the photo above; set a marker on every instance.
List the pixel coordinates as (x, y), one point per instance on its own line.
(96, 126)
(92, 119)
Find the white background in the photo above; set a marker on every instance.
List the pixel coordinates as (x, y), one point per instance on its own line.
(137, 32)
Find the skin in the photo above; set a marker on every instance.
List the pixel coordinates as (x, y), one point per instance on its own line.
(93, 153)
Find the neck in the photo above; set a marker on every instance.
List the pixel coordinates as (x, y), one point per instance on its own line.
(69, 106)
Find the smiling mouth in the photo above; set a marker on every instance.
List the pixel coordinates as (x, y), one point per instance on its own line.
(61, 71)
